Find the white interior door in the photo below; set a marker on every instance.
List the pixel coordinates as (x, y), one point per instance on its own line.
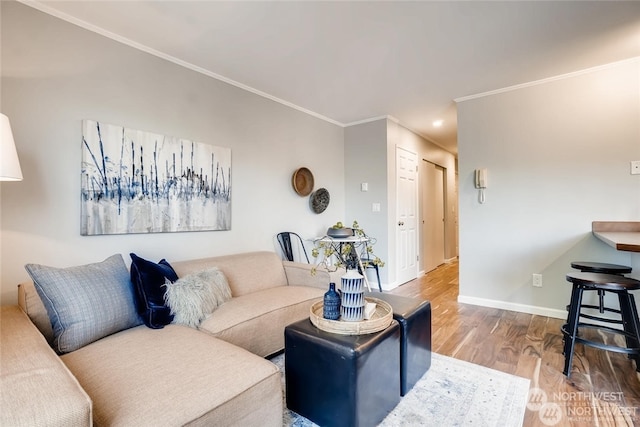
(406, 223)
(434, 221)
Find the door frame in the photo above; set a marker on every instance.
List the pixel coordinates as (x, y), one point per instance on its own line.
(428, 223)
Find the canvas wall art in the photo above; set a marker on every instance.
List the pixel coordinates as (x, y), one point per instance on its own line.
(141, 182)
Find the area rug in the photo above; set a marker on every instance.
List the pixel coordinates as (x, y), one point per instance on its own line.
(451, 393)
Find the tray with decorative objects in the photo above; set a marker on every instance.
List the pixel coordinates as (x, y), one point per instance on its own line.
(379, 320)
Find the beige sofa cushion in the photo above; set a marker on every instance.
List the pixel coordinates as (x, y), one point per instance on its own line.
(176, 376)
(300, 274)
(256, 321)
(30, 302)
(36, 388)
(246, 272)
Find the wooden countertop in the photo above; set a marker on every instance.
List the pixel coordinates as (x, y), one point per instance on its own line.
(624, 236)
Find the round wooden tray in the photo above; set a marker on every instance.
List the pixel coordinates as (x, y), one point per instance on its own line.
(380, 319)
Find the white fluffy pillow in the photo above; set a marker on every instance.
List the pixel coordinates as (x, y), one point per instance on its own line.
(193, 297)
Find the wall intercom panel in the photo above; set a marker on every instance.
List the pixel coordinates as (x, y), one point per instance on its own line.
(481, 178)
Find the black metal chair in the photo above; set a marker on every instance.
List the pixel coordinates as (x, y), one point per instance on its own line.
(284, 239)
(368, 263)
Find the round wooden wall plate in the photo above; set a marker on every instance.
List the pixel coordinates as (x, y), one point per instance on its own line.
(302, 181)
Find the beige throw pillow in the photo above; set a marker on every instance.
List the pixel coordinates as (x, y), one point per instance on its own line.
(193, 297)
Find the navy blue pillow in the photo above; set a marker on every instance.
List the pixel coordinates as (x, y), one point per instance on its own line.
(148, 279)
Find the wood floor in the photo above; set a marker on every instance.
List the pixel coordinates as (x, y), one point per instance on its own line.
(604, 388)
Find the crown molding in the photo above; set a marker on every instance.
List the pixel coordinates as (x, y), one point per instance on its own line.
(369, 120)
(139, 46)
(548, 79)
(399, 123)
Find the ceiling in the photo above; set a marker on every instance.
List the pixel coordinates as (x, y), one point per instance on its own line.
(349, 62)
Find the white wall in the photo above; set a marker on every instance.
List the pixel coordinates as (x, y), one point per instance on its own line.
(366, 162)
(55, 74)
(558, 158)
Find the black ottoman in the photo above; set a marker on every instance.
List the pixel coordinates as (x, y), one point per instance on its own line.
(414, 317)
(341, 380)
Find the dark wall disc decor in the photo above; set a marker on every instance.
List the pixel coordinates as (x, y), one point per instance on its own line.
(319, 200)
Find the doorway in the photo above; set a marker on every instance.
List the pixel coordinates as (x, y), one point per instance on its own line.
(433, 219)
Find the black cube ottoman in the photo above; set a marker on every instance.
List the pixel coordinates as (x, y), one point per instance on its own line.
(414, 317)
(341, 380)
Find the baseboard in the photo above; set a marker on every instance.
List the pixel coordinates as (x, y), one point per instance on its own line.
(385, 286)
(511, 306)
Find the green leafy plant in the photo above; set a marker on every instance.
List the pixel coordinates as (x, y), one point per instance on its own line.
(344, 253)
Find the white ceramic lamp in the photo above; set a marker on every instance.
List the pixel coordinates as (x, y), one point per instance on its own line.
(9, 164)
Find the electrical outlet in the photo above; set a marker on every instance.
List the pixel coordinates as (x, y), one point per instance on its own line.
(635, 167)
(537, 280)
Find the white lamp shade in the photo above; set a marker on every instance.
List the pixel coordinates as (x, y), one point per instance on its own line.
(9, 164)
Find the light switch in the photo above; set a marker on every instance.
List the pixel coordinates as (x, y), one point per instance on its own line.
(364, 186)
(375, 207)
(635, 167)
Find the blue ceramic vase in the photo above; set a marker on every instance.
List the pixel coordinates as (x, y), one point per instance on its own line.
(331, 303)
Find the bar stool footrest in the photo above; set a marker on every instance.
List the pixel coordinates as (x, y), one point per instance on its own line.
(601, 319)
(599, 345)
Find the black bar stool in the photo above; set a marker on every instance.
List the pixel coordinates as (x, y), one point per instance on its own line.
(600, 267)
(617, 284)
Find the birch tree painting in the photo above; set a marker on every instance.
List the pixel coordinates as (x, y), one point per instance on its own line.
(141, 182)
